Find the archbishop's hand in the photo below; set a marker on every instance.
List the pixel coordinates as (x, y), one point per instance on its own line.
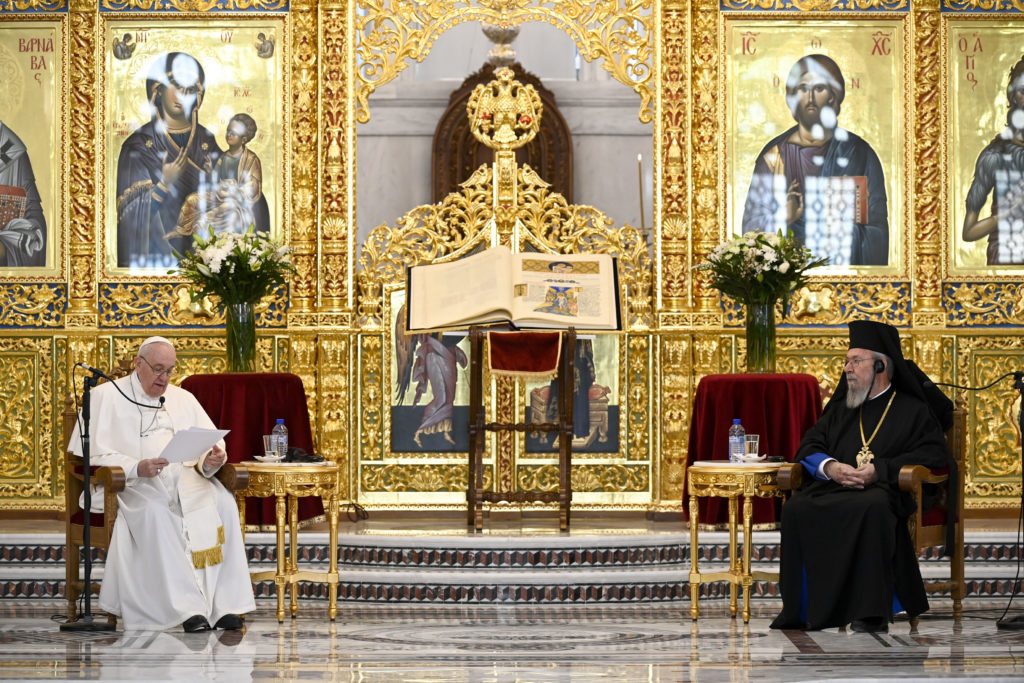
(866, 474)
(843, 474)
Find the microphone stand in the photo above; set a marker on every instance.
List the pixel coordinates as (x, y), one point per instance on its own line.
(1017, 623)
(85, 621)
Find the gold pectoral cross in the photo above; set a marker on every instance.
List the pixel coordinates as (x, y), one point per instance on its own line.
(864, 456)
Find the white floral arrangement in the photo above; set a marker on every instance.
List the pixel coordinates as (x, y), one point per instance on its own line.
(235, 267)
(760, 267)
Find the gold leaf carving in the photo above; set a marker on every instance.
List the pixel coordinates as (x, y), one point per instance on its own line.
(816, 5)
(416, 478)
(611, 478)
(26, 422)
(391, 32)
(31, 305)
(34, 5)
(194, 5)
(982, 5)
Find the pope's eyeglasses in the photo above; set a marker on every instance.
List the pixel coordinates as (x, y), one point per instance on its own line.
(158, 370)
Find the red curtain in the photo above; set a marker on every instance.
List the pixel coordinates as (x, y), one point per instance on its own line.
(249, 404)
(778, 407)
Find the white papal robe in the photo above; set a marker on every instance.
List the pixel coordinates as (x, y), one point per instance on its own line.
(177, 547)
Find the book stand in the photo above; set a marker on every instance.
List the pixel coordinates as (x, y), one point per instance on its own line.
(478, 427)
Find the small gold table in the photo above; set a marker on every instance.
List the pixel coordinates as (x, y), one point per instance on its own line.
(730, 480)
(289, 482)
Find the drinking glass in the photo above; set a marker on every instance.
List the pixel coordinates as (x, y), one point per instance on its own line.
(751, 449)
(269, 450)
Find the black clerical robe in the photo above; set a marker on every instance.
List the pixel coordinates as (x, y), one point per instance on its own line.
(853, 545)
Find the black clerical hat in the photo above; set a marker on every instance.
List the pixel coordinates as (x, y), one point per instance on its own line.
(875, 336)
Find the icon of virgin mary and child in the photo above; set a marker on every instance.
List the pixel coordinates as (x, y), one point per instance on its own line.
(173, 178)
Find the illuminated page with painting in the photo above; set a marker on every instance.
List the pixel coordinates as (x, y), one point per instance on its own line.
(527, 289)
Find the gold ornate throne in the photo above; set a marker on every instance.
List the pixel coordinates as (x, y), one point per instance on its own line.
(510, 204)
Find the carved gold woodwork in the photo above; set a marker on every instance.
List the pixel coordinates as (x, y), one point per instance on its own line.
(503, 204)
(28, 469)
(616, 32)
(331, 325)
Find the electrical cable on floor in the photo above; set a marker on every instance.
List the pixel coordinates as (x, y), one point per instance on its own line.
(356, 512)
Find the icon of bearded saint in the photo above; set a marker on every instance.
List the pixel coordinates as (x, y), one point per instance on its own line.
(818, 180)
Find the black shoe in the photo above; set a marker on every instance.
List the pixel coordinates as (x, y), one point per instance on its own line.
(870, 625)
(229, 622)
(196, 624)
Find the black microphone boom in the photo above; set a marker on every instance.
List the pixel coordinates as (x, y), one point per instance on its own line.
(94, 371)
(85, 621)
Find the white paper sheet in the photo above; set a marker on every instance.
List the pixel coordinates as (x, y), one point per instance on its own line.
(190, 444)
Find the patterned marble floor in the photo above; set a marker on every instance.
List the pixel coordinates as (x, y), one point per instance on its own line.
(371, 643)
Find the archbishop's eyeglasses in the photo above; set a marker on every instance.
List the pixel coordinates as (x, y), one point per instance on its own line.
(856, 361)
(159, 370)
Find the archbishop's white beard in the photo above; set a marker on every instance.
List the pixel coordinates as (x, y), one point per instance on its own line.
(855, 397)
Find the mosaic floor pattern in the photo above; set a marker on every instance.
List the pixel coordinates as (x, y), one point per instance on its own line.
(653, 643)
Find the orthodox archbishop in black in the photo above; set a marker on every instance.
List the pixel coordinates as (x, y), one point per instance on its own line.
(847, 556)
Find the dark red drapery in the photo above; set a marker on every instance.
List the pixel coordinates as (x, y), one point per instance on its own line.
(249, 404)
(778, 407)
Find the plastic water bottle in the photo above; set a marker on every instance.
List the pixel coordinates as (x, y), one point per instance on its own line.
(280, 433)
(736, 438)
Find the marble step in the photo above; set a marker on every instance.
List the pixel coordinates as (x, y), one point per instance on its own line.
(481, 569)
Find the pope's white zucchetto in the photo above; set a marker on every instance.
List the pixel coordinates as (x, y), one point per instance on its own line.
(154, 340)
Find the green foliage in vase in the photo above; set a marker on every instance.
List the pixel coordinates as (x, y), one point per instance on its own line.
(760, 267)
(235, 267)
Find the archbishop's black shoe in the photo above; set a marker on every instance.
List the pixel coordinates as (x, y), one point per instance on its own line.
(196, 624)
(870, 625)
(229, 622)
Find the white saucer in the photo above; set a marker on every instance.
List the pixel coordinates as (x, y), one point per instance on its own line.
(268, 458)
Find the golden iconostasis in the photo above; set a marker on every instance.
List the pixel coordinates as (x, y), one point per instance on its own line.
(925, 89)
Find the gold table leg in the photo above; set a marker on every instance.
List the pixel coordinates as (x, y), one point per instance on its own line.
(281, 579)
(293, 555)
(694, 560)
(332, 576)
(748, 581)
(733, 563)
(240, 502)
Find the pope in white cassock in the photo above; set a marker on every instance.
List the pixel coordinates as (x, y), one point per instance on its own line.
(176, 556)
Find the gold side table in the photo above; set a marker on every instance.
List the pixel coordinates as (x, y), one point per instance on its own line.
(724, 479)
(288, 483)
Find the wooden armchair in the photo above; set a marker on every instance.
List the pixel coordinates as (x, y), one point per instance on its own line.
(927, 527)
(101, 527)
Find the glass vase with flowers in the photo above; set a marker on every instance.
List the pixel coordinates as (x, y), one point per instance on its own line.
(758, 269)
(239, 269)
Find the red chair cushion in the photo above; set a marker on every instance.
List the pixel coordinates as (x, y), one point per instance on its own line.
(938, 514)
(95, 519)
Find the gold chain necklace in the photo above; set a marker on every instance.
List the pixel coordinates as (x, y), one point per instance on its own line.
(864, 455)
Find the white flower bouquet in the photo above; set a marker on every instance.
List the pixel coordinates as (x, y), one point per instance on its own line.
(236, 267)
(760, 267)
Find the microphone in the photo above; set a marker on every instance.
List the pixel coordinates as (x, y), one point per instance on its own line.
(158, 406)
(94, 371)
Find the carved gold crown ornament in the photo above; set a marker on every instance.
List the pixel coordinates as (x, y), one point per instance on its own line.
(504, 115)
(504, 204)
